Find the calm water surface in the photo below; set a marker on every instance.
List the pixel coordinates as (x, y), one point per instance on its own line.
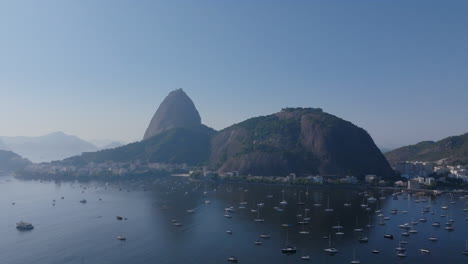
(72, 232)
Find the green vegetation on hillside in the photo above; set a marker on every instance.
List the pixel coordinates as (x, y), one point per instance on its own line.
(178, 145)
(451, 150)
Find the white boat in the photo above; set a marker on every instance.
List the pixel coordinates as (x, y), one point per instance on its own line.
(288, 250)
(400, 248)
(355, 261)
(424, 251)
(363, 239)
(258, 219)
(121, 238)
(24, 226)
(328, 209)
(300, 202)
(330, 250)
(307, 257)
(232, 259)
(284, 201)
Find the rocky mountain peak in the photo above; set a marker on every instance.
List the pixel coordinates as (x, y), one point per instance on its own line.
(177, 110)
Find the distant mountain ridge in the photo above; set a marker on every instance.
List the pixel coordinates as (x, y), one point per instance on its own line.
(10, 161)
(3, 146)
(451, 150)
(53, 146)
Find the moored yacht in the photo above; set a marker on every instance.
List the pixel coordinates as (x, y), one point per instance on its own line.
(355, 261)
(330, 250)
(289, 250)
(424, 251)
(24, 226)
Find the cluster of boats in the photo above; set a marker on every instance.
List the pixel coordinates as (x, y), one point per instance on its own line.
(408, 228)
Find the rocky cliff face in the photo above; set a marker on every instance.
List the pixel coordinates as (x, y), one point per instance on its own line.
(176, 111)
(451, 150)
(299, 140)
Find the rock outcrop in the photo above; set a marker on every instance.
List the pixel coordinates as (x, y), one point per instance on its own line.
(177, 110)
(297, 140)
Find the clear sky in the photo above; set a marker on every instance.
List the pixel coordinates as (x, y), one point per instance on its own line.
(99, 69)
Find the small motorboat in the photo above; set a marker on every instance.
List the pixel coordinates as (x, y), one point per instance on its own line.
(424, 251)
(289, 250)
(388, 236)
(24, 226)
(331, 250)
(232, 259)
(363, 239)
(121, 238)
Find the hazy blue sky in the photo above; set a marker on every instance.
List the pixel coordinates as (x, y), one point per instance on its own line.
(99, 69)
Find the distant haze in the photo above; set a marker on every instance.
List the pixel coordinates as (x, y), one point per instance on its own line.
(99, 69)
(53, 146)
